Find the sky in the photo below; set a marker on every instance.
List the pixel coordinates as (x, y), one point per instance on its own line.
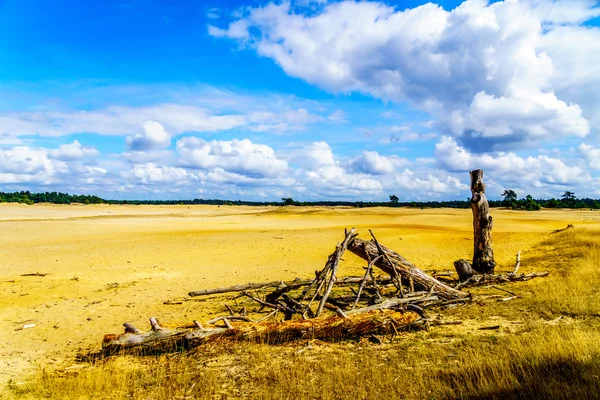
(314, 100)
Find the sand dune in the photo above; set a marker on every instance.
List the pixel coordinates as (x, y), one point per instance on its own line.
(111, 264)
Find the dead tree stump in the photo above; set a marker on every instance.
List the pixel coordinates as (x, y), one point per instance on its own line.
(483, 254)
(463, 269)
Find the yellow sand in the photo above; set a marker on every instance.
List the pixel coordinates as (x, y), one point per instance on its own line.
(113, 264)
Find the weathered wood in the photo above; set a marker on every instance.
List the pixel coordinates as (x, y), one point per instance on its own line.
(331, 328)
(295, 284)
(463, 269)
(227, 323)
(569, 226)
(393, 302)
(364, 281)
(130, 328)
(518, 263)
(504, 290)
(396, 278)
(339, 252)
(478, 280)
(483, 253)
(422, 281)
(198, 324)
(276, 306)
(230, 318)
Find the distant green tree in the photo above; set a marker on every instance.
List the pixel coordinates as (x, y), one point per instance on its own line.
(288, 201)
(510, 197)
(530, 204)
(394, 200)
(568, 199)
(553, 203)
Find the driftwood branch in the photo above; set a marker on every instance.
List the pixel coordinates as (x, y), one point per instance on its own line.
(396, 278)
(422, 281)
(335, 261)
(364, 281)
(478, 280)
(518, 263)
(295, 284)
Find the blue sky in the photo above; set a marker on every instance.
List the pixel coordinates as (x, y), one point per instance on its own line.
(310, 99)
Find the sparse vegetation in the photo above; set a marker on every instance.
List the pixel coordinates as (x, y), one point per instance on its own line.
(548, 346)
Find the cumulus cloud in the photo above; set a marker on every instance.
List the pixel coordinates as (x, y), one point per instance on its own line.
(508, 167)
(238, 156)
(591, 154)
(480, 69)
(372, 163)
(369, 173)
(152, 173)
(154, 137)
(574, 50)
(40, 166)
(73, 151)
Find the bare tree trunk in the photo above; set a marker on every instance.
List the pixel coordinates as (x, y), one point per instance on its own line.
(483, 254)
(422, 281)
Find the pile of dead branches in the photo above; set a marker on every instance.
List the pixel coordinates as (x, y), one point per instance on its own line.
(276, 312)
(325, 307)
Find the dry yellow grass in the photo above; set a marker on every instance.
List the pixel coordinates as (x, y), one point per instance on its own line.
(160, 253)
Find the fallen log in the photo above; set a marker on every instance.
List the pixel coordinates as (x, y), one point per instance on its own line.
(569, 226)
(333, 328)
(422, 281)
(295, 284)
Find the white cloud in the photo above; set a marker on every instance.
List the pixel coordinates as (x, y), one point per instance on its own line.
(372, 163)
(409, 136)
(368, 174)
(154, 137)
(26, 161)
(526, 172)
(39, 166)
(338, 116)
(238, 156)
(314, 156)
(141, 122)
(591, 155)
(565, 11)
(480, 69)
(157, 174)
(574, 52)
(73, 151)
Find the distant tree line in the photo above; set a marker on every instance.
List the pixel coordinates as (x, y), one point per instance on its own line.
(48, 197)
(510, 200)
(567, 200)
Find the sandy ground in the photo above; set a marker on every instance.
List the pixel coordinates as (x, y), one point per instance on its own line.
(113, 264)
